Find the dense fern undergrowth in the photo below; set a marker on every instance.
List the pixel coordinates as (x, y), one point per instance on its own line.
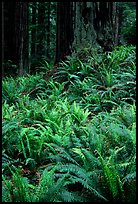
(71, 137)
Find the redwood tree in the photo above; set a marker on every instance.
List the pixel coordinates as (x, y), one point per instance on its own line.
(85, 24)
(15, 36)
(2, 39)
(64, 32)
(21, 34)
(8, 35)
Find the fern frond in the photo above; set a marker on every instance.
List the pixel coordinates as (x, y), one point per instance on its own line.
(112, 179)
(47, 180)
(92, 161)
(129, 177)
(67, 196)
(54, 191)
(88, 184)
(20, 187)
(67, 157)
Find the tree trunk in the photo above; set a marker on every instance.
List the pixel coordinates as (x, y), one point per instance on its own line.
(84, 33)
(29, 36)
(85, 25)
(34, 29)
(41, 33)
(48, 32)
(9, 31)
(106, 24)
(22, 36)
(115, 23)
(64, 33)
(95, 25)
(2, 39)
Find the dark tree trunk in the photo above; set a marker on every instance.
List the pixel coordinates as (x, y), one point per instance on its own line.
(84, 32)
(34, 29)
(15, 35)
(95, 25)
(9, 31)
(48, 32)
(64, 33)
(41, 26)
(106, 25)
(85, 24)
(115, 23)
(2, 39)
(29, 35)
(22, 36)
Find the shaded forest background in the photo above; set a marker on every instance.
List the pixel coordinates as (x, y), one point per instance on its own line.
(37, 32)
(68, 101)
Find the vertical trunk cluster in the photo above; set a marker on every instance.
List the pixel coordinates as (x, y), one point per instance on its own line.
(79, 25)
(44, 30)
(40, 31)
(15, 36)
(8, 31)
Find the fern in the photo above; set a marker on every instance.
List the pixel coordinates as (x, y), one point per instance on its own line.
(78, 174)
(61, 154)
(54, 191)
(48, 190)
(91, 161)
(6, 190)
(7, 162)
(129, 177)
(19, 187)
(83, 117)
(68, 196)
(112, 180)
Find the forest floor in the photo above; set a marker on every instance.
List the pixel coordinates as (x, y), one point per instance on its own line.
(69, 134)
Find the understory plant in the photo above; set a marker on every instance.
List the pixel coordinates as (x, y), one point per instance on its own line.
(72, 140)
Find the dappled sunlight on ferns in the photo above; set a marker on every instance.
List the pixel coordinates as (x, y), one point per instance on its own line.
(72, 140)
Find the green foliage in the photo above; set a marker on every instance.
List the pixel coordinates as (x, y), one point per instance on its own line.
(44, 66)
(112, 180)
(19, 188)
(128, 26)
(9, 67)
(72, 140)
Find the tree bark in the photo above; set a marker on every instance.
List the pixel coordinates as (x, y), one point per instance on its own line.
(41, 30)
(85, 25)
(84, 33)
(48, 32)
(2, 39)
(95, 25)
(34, 29)
(22, 36)
(105, 24)
(64, 31)
(115, 23)
(9, 31)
